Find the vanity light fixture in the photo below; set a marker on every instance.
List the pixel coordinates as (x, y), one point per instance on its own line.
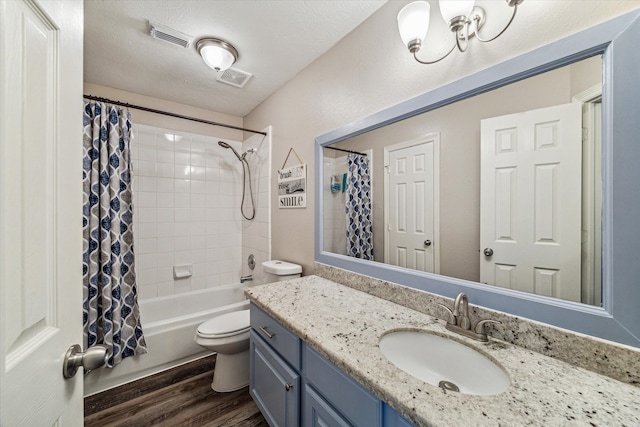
(217, 54)
(463, 18)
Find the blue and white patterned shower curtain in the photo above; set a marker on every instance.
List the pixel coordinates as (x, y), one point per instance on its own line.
(358, 209)
(110, 309)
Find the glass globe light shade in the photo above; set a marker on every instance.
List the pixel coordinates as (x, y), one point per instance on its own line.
(413, 21)
(217, 54)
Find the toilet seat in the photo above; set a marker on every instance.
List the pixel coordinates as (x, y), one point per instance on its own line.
(225, 325)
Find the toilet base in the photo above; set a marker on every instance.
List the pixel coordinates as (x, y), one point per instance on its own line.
(231, 372)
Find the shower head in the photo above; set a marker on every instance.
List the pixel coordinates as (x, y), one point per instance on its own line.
(225, 145)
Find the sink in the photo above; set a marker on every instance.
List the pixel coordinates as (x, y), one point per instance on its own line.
(444, 363)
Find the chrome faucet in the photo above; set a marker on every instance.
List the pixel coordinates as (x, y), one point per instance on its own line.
(460, 323)
(246, 278)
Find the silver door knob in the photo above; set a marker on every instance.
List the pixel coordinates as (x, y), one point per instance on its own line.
(91, 359)
(487, 252)
(427, 243)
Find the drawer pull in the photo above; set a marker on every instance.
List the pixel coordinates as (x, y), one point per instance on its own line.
(288, 387)
(267, 333)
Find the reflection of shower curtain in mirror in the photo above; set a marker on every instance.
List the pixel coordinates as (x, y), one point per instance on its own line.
(358, 209)
(111, 315)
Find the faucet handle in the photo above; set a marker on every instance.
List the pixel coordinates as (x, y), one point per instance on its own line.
(481, 329)
(452, 318)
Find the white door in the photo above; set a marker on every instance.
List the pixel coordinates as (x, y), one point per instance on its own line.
(530, 212)
(411, 194)
(40, 210)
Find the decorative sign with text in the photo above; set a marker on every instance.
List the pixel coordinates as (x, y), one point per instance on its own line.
(292, 187)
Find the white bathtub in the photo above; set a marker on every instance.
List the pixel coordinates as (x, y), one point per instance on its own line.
(169, 325)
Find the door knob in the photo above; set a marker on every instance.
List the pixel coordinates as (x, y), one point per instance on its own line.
(487, 252)
(427, 243)
(91, 359)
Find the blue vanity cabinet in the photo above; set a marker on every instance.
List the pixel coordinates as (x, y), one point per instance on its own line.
(317, 412)
(274, 378)
(293, 385)
(350, 400)
(273, 385)
(391, 418)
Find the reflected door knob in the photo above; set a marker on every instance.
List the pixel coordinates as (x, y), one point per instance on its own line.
(427, 243)
(91, 359)
(487, 251)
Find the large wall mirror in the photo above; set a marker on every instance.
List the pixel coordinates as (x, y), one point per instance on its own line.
(514, 185)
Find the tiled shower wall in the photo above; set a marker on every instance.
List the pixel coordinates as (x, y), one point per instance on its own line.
(335, 222)
(187, 193)
(256, 234)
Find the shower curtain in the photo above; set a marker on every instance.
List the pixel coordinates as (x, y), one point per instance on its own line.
(358, 208)
(110, 309)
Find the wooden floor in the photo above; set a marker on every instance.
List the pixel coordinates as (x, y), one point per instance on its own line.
(178, 397)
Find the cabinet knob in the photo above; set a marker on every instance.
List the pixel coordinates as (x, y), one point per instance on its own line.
(288, 386)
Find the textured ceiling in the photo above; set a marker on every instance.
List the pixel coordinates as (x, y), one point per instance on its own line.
(275, 39)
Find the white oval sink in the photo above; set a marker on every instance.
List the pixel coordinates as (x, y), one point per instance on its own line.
(442, 362)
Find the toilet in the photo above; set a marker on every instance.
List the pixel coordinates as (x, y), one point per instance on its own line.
(228, 334)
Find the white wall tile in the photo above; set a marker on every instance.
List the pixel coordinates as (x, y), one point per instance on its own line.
(165, 214)
(165, 185)
(166, 170)
(165, 229)
(182, 186)
(165, 200)
(146, 168)
(187, 197)
(165, 155)
(146, 230)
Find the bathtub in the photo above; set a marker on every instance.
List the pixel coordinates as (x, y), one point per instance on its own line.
(169, 325)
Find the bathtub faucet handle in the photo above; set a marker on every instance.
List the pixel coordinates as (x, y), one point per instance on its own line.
(246, 278)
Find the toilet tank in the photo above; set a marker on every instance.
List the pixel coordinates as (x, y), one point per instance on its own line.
(276, 270)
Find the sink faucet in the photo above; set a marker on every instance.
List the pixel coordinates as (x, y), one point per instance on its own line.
(460, 323)
(246, 278)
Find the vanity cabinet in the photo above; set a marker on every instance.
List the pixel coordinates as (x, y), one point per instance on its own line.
(293, 385)
(274, 385)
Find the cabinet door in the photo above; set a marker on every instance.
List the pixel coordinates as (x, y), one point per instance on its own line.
(274, 386)
(394, 419)
(354, 403)
(317, 412)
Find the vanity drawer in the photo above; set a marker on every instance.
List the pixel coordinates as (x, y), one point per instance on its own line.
(350, 399)
(280, 339)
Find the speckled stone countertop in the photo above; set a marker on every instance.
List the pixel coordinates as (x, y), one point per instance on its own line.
(345, 326)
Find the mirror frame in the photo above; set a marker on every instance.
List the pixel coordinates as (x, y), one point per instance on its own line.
(618, 319)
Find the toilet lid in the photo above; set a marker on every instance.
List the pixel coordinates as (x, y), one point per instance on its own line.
(225, 324)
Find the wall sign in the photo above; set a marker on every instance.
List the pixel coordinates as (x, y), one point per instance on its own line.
(292, 187)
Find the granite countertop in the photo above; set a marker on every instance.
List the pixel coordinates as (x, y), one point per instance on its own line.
(345, 325)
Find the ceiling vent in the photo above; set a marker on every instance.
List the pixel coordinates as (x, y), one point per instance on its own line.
(234, 77)
(169, 35)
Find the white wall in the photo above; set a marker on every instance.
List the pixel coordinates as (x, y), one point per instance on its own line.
(370, 70)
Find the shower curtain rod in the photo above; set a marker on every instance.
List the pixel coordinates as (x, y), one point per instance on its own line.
(166, 113)
(346, 151)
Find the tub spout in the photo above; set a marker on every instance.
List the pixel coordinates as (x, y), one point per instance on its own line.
(246, 278)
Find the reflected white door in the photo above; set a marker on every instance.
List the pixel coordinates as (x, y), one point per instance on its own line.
(40, 210)
(531, 201)
(411, 194)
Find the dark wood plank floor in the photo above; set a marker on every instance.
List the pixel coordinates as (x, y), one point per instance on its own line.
(181, 396)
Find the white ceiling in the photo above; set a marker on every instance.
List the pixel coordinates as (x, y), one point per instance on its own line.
(275, 39)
